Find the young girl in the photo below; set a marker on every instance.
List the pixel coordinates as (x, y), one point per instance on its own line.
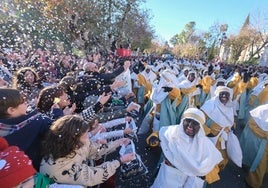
(67, 152)
(19, 128)
(53, 101)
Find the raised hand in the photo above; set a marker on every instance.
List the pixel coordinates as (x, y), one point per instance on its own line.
(104, 98)
(127, 157)
(117, 84)
(167, 89)
(69, 110)
(128, 131)
(199, 86)
(124, 141)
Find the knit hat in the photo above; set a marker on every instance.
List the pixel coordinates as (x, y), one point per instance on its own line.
(15, 166)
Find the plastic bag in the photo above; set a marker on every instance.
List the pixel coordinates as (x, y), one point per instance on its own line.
(133, 168)
(145, 125)
(134, 113)
(234, 151)
(132, 125)
(127, 88)
(127, 149)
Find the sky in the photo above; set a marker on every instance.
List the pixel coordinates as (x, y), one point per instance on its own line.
(170, 16)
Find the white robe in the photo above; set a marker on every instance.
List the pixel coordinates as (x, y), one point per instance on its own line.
(221, 114)
(192, 157)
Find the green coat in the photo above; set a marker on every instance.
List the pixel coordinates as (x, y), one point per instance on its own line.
(170, 113)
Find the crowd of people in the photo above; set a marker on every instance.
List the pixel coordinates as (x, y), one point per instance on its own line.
(60, 115)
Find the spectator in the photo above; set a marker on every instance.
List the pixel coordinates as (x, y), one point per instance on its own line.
(70, 164)
(4, 71)
(106, 78)
(26, 80)
(19, 128)
(16, 168)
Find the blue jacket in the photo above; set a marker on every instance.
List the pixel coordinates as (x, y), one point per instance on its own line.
(26, 132)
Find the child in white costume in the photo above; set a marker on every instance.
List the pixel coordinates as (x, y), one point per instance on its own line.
(189, 155)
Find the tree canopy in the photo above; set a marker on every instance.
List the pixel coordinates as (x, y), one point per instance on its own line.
(79, 24)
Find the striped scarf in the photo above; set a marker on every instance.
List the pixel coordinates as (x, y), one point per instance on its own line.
(6, 129)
